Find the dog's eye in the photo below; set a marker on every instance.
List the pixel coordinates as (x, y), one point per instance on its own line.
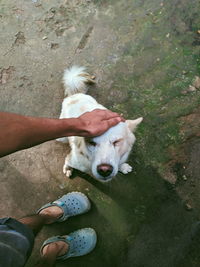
(91, 143)
(115, 143)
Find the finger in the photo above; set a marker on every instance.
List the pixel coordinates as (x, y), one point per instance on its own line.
(112, 114)
(115, 117)
(114, 121)
(105, 125)
(107, 114)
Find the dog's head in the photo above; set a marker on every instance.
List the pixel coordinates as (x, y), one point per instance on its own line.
(111, 149)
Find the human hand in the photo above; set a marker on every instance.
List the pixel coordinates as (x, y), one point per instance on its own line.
(96, 122)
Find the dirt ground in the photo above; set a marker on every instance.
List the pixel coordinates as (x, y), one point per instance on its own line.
(146, 59)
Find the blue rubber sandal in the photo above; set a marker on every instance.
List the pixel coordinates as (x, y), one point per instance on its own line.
(72, 204)
(81, 242)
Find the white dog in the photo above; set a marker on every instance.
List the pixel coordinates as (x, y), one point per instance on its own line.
(103, 156)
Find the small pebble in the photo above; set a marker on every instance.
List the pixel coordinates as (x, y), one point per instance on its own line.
(61, 186)
(196, 82)
(184, 178)
(191, 88)
(188, 207)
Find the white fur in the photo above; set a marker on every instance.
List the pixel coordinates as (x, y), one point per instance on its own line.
(84, 156)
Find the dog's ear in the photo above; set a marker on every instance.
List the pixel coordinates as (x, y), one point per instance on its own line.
(132, 124)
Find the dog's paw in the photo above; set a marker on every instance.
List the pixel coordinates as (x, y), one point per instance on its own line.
(67, 170)
(68, 173)
(125, 168)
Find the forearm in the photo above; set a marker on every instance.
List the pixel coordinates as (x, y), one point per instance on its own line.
(19, 132)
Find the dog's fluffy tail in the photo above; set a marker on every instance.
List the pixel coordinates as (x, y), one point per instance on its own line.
(76, 79)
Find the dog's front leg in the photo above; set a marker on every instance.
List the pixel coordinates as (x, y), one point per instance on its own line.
(125, 168)
(67, 170)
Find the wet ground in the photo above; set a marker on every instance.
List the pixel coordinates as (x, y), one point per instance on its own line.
(145, 56)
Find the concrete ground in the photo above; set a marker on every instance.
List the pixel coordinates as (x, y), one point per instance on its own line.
(145, 56)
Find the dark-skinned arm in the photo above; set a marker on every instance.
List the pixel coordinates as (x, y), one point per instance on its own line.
(18, 132)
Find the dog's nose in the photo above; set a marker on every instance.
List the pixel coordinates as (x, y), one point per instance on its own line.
(104, 169)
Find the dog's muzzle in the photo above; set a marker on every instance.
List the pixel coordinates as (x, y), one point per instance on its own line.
(105, 170)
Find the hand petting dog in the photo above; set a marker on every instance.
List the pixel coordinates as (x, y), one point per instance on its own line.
(20, 132)
(96, 122)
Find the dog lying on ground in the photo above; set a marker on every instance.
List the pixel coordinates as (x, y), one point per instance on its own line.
(103, 156)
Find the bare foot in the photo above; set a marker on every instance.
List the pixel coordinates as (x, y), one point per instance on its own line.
(51, 213)
(58, 248)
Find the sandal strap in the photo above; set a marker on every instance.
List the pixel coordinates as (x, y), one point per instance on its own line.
(59, 204)
(53, 239)
(69, 252)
